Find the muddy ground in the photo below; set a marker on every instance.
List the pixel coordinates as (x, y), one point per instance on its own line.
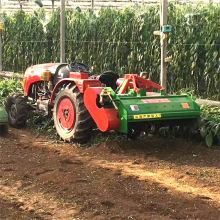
(149, 179)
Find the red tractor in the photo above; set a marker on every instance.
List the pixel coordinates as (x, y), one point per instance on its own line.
(77, 101)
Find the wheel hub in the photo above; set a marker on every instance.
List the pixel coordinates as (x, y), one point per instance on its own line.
(66, 114)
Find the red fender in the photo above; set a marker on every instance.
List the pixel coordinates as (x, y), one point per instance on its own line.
(82, 84)
(106, 119)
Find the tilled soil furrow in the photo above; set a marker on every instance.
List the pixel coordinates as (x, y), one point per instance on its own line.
(110, 181)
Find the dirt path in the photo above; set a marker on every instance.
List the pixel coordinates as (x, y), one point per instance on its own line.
(151, 179)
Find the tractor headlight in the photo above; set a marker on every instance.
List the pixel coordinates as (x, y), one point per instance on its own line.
(46, 76)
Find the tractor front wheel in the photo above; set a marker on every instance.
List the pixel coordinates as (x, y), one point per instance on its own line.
(71, 118)
(17, 109)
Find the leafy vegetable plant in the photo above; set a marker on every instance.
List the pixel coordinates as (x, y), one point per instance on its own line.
(9, 87)
(210, 125)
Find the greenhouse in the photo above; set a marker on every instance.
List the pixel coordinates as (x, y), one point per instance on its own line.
(109, 109)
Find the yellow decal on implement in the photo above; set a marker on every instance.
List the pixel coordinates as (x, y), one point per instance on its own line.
(147, 116)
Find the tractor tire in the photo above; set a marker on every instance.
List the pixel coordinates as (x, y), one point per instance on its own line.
(17, 109)
(71, 118)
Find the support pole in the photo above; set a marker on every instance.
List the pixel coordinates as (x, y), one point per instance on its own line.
(62, 31)
(92, 4)
(0, 51)
(52, 6)
(163, 21)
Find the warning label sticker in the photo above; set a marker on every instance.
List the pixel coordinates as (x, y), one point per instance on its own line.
(150, 101)
(134, 107)
(185, 105)
(147, 116)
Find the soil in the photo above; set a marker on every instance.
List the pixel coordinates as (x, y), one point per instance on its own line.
(143, 179)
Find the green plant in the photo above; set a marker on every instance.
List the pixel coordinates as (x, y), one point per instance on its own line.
(9, 87)
(187, 91)
(210, 124)
(24, 42)
(41, 124)
(99, 137)
(123, 41)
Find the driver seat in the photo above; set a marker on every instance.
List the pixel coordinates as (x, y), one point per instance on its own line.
(109, 78)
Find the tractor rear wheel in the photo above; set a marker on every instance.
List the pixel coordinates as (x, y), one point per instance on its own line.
(71, 118)
(17, 109)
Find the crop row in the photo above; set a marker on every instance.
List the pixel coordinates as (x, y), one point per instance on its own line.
(123, 41)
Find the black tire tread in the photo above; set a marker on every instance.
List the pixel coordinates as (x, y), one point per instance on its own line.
(22, 110)
(83, 124)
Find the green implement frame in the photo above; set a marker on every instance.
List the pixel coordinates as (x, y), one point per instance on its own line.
(134, 108)
(3, 116)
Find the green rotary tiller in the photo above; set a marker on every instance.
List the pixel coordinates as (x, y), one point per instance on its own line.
(133, 107)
